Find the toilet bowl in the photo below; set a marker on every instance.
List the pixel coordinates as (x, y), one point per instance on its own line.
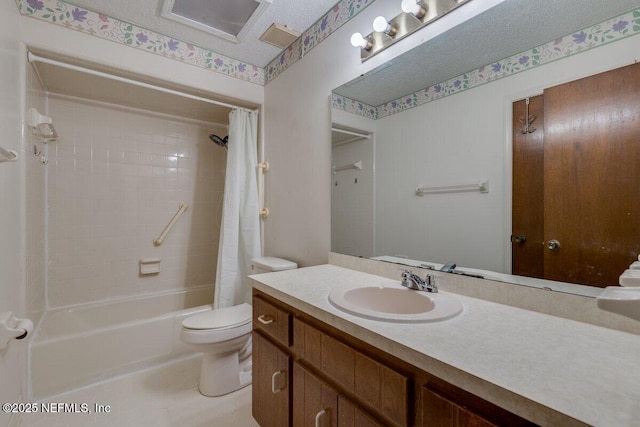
(224, 336)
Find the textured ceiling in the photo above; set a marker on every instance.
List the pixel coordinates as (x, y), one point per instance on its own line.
(509, 28)
(295, 14)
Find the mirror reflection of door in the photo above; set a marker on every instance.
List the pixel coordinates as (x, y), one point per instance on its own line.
(576, 180)
(352, 197)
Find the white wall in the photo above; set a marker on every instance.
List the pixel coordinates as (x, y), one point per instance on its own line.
(352, 205)
(298, 142)
(472, 123)
(352, 199)
(12, 359)
(453, 141)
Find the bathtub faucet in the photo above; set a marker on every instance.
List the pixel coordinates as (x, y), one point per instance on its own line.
(412, 281)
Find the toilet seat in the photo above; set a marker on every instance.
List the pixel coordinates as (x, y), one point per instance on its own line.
(220, 318)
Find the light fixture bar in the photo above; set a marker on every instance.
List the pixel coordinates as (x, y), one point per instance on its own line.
(406, 23)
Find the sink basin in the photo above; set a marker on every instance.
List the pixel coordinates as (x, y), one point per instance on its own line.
(619, 300)
(395, 303)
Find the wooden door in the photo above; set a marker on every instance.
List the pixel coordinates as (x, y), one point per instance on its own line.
(314, 403)
(527, 239)
(271, 391)
(592, 177)
(576, 180)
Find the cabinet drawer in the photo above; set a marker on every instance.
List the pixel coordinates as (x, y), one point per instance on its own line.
(272, 320)
(375, 385)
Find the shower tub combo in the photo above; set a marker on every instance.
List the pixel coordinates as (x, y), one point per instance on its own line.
(77, 346)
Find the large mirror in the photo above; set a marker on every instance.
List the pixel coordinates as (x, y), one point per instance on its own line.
(396, 130)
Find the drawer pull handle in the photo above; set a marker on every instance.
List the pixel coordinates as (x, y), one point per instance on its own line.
(265, 319)
(275, 390)
(319, 416)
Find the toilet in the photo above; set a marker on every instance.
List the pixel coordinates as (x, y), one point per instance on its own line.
(224, 336)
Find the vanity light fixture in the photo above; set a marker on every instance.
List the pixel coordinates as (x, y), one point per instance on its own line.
(357, 40)
(381, 25)
(414, 7)
(415, 15)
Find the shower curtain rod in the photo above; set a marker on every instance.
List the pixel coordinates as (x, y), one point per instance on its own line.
(35, 58)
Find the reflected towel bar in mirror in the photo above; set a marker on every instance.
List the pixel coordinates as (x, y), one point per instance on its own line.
(482, 186)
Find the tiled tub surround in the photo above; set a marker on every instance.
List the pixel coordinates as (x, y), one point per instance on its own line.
(550, 370)
(77, 346)
(115, 178)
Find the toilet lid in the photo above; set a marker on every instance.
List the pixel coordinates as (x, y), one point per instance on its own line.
(220, 318)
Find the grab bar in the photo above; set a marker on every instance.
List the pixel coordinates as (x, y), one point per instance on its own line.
(482, 186)
(8, 155)
(183, 207)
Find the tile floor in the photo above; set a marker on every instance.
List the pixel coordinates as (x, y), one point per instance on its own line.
(163, 396)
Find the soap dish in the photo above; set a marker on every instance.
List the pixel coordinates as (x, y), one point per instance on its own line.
(630, 278)
(619, 300)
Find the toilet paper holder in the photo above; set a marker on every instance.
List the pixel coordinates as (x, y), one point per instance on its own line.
(13, 327)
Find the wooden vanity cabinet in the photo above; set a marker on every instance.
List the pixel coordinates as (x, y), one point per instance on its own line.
(271, 393)
(316, 403)
(307, 373)
(443, 405)
(382, 390)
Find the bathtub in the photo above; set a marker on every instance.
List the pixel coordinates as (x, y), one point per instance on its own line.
(77, 346)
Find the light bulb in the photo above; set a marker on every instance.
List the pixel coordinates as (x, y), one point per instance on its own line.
(381, 25)
(413, 7)
(358, 41)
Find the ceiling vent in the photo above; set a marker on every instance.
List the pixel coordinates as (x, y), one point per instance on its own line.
(228, 19)
(279, 35)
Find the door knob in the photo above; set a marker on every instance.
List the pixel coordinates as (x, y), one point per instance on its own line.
(553, 245)
(519, 239)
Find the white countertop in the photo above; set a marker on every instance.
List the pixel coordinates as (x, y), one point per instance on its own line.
(535, 365)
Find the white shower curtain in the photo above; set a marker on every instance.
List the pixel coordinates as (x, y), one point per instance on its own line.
(240, 230)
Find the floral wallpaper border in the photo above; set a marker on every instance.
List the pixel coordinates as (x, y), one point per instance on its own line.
(339, 15)
(354, 106)
(612, 30)
(67, 15)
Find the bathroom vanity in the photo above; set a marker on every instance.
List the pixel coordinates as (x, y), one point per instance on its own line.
(491, 365)
(306, 370)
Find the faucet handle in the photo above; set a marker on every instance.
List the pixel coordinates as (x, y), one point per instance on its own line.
(406, 275)
(430, 283)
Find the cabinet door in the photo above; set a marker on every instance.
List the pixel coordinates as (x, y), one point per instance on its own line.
(350, 416)
(462, 409)
(380, 389)
(271, 391)
(314, 403)
(441, 412)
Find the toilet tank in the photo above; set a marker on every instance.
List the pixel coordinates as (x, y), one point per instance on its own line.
(268, 264)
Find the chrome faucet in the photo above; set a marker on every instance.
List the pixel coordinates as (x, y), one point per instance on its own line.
(449, 268)
(412, 281)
